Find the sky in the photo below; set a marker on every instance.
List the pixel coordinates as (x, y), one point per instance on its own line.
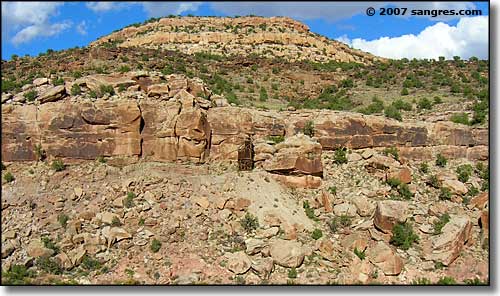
(30, 28)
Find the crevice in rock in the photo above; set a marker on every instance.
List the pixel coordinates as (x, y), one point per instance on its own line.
(142, 124)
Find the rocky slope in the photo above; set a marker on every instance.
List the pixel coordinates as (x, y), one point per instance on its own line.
(270, 37)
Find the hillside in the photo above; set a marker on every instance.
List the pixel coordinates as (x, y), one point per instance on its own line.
(158, 156)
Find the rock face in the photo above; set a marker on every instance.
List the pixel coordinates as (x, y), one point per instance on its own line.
(287, 253)
(249, 34)
(388, 213)
(297, 155)
(384, 257)
(177, 124)
(447, 246)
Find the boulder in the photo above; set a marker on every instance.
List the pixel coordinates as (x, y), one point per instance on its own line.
(385, 258)
(158, 90)
(363, 205)
(254, 246)
(480, 201)
(52, 94)
(37, 249)
(310, 182)
(238, 262)
(345, 209)
(7, 249)
(40, 81)
(455, 186)
(263, 267)
(388, 213)
(402, 174)
(446, 247)
(287, 253)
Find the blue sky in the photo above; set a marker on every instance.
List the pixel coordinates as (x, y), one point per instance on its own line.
(34, 27)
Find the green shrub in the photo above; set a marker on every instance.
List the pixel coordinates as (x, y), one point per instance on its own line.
(101, 159)
(404, 191)
(441, 160)
(124, 69)
(445, 194)
(433, 181)
(77, 74)
(377, 106)
(393, 182)
(424, 103)
(317, 234)
(93, 94)
(232, 98)
(249, 222)
(17, 275)
(8, 177)
(309, 129)
(464, 172)
(155, 245)
(421, 282)
(116, 222)
(129, 200)
(475, 282)
(340, 156)
(401, 105)
(276, 139)
(438, 225)
(89, 263)
(446, 281)
(403, 236)
(437, 100)
(292, 273)
(424, 167)
(30, 96)
(75, 90)
(58, 81)
(39, 152)
(438, 265)
(332, 190)
(361, 254)
(309, 211)
(392, 151)
(63, 220)
(461, 118)
(263, 95)
(49, 244)
(392, 112)
(48, 265)
(404, 91)
(106, 89)
(58, 165)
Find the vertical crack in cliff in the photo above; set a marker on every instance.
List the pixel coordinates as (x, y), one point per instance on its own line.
(142, 124)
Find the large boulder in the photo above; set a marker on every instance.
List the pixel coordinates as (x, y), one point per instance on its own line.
(238, 262)
(297, 155)
(388, 213)
(52, 94)
(385, 258)
(287, 253)
(447, 246)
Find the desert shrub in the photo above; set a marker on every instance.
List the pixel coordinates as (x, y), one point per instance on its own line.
(340, 155)
(446, 281)
(249, 222)
(464, 172)
(392, 151)
(77, 74)
(49, 265)
(93, 94)
(377, 106)
(461, 118)
(101, 159)
(424, 103)
(317, 234)
(445, 194)
(404, 191)
(309, 211)
(129, 200)
(424, 167)
(232, 98)
(75, 90)
(475, 282)
(403, 236)
(433, 181)
(49, 244)
(58, 165)
(155, 245)
(263, 95)
(292, 273)
(58, 81)
(8, 177)
(30, 96)
(89, 263)
(404, 91)
(276, 139)
(392, 112)
(309, 129)
(401, 105)
(17, 275)
(116, 222)
(124, 69)
(332, 190)
(441, 160)
(106, 89)
(421, 282)
(437, 100)
(347, 83)
(361, 254)
(63, 220)
(438, 225)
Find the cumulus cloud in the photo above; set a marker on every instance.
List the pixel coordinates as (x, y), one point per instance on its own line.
(157, 8)
(330, 11)
(468, 38)
(81, 28)
(28, 20)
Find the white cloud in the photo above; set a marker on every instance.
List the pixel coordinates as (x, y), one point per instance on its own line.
(101, 6)
(81, 28)
(330, 11)
(158, 9)
(468, 38)
(28, 20)
(45, 30)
